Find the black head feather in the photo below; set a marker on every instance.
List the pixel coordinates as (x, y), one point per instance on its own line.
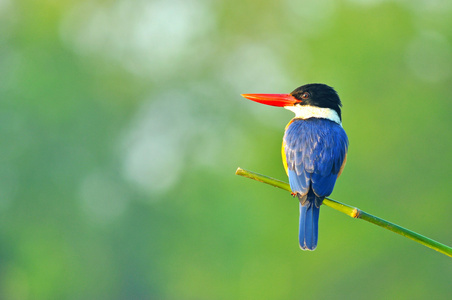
(320, 95)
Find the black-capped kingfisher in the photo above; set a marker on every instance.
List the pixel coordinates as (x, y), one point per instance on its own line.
(314, 149)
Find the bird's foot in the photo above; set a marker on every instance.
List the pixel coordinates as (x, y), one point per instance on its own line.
(294, 194)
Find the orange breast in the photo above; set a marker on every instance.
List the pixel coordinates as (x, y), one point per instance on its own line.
(283, 152)
(343, 165)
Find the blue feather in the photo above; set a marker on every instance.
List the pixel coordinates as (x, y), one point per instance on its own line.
(299, 183)
(309, 224)
(323, 184)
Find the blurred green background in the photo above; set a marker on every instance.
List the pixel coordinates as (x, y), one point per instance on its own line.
(122, 125)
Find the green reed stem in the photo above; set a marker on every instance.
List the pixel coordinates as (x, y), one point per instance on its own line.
(356, 213)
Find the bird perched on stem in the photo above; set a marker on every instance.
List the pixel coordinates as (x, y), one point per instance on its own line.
(314, 149)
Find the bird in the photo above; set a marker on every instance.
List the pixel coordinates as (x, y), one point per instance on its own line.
(314, 149)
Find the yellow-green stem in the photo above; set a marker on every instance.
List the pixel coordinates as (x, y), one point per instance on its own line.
(356, 213)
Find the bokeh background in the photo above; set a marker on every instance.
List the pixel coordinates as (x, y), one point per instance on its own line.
(121, 127)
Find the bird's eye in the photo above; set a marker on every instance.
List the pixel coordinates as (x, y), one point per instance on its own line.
(305, 95)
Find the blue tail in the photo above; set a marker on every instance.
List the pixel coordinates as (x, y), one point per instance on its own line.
(309, 221)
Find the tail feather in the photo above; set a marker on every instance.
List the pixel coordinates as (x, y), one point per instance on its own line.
(309, 222)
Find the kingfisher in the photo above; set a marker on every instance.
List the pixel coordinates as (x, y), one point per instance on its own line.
(314, 149)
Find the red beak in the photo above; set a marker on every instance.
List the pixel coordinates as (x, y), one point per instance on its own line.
(273, 99)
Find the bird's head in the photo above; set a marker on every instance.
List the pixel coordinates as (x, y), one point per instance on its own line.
(315, 95)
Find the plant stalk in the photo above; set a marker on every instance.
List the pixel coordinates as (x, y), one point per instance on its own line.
(356, 213)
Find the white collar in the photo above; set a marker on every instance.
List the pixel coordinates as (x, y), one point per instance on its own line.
(308, 111)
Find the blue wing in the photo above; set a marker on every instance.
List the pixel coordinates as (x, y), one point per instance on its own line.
(315, 150)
